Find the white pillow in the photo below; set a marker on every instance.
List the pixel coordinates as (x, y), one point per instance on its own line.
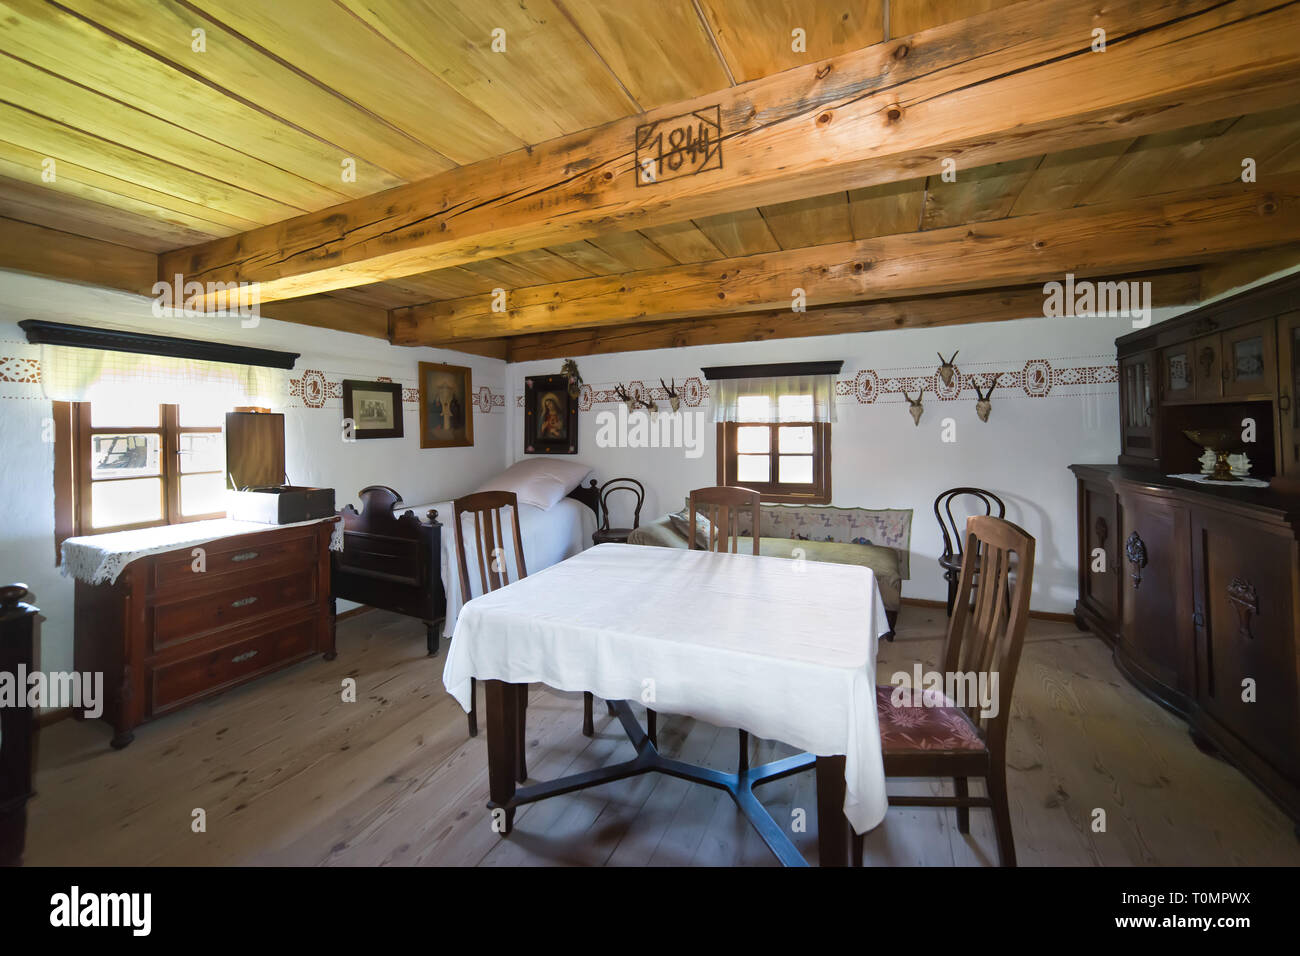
(540, 482)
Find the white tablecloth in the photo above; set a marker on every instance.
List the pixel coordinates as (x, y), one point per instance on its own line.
(783, 649)
(100, 558)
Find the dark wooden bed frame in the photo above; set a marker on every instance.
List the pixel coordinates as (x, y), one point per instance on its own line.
(394, 562)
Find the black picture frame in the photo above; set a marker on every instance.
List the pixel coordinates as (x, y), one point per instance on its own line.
(550, 416)
(366, 402)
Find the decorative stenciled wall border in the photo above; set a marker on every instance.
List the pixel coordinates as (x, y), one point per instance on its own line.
(1060, 377)
(20, 370)
(313, 388)
(20, 377)
(693, 392)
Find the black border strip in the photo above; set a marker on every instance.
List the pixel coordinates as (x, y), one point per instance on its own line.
(118, 340)
(716, 372)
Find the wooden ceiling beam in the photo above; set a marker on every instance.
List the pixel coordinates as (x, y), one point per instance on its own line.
(39, 250)
(1175, 229)
(1218, 278)
(1175, 287)
(1015, 82)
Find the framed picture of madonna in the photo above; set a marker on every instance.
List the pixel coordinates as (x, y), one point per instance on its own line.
(446, 412)
(550, 416)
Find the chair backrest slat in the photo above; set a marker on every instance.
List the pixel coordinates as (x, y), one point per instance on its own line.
(489, 539)
(724, 506)
(987, 629)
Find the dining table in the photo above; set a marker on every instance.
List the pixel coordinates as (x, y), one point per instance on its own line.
(782, 648)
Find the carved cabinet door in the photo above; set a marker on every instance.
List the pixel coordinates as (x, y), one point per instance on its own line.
(1100, 550)
(1246, 632)
(1155, 592)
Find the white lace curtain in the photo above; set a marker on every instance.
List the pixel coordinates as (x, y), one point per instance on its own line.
(785, 398)
(70, 374)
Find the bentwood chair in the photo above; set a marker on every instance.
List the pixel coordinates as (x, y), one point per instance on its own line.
(928, 734)
(494, 572)
(628, 486)
(723, 506)
(951, 559)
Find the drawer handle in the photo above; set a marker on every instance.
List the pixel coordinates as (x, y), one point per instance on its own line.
(1135, 549)
(246, 656)
(245, 556)
(244, 602)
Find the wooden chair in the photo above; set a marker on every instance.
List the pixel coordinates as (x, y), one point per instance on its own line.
(932, 737)
(494, 573)
(723, 506)
(951, 559)
(605, 534)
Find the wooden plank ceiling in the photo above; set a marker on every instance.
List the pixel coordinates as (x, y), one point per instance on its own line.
(159, 125)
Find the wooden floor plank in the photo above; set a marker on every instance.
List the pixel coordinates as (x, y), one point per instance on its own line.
(289, 774)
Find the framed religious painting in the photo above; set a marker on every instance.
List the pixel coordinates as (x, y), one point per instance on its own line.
(374, 408)
(446, 412)
(550, 416)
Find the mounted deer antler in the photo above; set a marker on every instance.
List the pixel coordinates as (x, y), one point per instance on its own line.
(983, 406)
(633, 402)
(946, 369)
(916, 409)
(674, 399)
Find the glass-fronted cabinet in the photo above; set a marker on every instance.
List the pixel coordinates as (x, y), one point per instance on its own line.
(1249, 362)
(1288, 390)
(1177, 373)
(1137, 405)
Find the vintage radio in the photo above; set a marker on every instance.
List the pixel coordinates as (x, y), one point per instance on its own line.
(256, 478)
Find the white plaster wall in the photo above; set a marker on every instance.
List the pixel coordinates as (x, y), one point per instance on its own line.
(879, 458)
(315, 452)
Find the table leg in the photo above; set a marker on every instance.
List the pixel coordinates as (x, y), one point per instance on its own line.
(503, 746)
(833, 830)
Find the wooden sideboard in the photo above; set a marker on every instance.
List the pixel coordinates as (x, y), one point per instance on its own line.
(166, 634)
(1196, 586)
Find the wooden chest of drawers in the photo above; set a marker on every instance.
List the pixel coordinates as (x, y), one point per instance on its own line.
(177, 627)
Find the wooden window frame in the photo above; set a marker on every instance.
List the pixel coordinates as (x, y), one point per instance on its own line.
(72, 469)
(773, 491)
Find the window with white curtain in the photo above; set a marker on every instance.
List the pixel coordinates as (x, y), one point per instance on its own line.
(139, 438)
(774, 435)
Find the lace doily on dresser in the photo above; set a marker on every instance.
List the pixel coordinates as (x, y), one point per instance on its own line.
(1239, 483)
(100, 558)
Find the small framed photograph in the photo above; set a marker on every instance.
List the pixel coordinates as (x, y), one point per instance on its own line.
(550, 416)
(375, 408)
(446, 409)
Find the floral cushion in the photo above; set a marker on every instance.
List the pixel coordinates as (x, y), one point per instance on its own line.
(940, 725)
